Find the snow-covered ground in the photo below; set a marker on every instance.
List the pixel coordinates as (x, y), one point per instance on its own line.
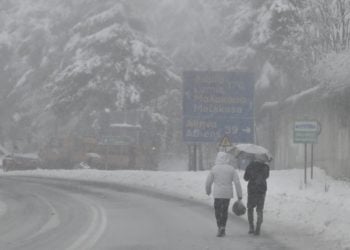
(322, 208)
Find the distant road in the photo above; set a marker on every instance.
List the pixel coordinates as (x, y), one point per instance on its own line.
(42, 214)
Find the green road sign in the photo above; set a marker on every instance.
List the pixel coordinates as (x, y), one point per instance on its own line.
(306, 131)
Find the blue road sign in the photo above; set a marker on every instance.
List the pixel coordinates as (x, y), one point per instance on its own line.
(217, 104)
(201, 129)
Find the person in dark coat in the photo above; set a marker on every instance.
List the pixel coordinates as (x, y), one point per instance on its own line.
(256, 174)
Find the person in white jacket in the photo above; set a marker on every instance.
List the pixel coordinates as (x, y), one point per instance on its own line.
(222, 175)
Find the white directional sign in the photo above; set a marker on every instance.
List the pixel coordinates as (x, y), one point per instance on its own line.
(306, 131)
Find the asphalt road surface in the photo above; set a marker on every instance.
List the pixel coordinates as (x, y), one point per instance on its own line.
(48, 214)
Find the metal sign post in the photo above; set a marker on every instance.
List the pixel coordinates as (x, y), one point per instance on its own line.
(194, 168)
(305, 164)
(106, 163)
(307, 132)
(312, 161)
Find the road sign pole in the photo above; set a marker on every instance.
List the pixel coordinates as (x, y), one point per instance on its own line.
(312, 161)
(106, 157)
(194, 157)
(307, 132)
(256, 141)
(200, 157)
(305, 164)
(189, 148)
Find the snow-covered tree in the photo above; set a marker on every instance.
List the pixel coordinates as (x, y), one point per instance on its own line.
(63, 60)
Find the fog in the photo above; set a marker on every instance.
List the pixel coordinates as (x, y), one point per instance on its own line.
(64, 63)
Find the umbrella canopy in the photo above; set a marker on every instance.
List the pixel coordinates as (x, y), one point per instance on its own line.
(251, 151)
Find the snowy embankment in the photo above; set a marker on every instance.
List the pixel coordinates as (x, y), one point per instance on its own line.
(321, 209)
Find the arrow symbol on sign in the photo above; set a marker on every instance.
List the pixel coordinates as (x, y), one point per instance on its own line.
(247, 130)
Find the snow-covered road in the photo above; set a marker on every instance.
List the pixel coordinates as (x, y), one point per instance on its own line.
(319, 212)
(59, 214)
(40, 215)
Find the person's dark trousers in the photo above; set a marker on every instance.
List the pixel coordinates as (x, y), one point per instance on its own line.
(255, 200)
(221, 211)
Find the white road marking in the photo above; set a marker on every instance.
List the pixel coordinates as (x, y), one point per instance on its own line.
(95, 230)
(3, 208)
(52, 223)
(3, 205)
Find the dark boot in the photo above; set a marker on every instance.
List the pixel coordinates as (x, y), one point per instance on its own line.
(258, 223)
(257, 229)
(221, 232)
(251, 229)
(251, 220)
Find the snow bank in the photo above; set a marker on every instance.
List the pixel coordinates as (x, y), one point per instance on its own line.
(322, 208)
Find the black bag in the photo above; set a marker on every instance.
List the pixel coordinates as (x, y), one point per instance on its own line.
(238, 208)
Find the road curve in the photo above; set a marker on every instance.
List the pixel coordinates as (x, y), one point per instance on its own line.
(41, 214)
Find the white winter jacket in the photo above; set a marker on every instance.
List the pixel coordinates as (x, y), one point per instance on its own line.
(222, 175)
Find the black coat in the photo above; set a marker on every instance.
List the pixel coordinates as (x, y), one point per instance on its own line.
(256, 174)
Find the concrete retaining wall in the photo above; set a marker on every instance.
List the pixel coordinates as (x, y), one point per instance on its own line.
(275, 131)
